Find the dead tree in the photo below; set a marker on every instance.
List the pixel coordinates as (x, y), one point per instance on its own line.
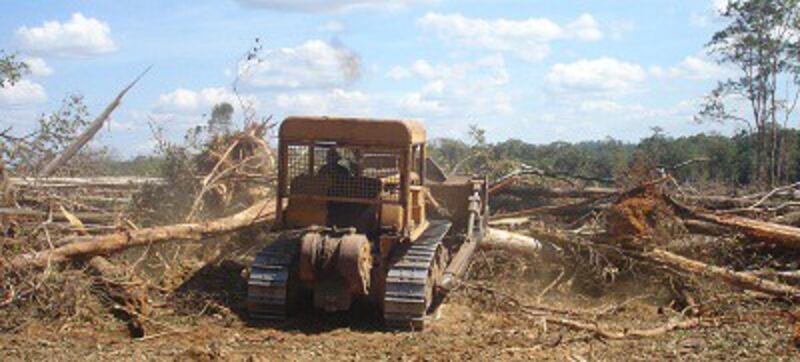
(88, 134)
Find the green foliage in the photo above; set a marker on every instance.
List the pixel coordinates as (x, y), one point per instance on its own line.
(53, 134)
(760, 42)
(730, 160)
(11, 69)
(221, 121)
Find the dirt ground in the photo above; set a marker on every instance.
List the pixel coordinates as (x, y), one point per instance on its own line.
(205, 320)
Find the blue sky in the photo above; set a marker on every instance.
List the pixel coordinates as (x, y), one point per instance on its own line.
(535, 70)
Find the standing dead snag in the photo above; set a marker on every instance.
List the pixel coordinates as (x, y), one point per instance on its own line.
(260, 213)
(88, 134)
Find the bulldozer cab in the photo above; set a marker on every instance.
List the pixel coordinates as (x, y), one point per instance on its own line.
(351, 173)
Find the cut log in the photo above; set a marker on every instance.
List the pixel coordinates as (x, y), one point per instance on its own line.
(258, 214)
(526, 191)
(24, 213)
(718, 202)
(577, 208)
(784, 235)
(772, 233)
(85, 182)
(738, 279)
(704, 227)
(511, 241)
(663, 257)
(791, 275)
(511, 222)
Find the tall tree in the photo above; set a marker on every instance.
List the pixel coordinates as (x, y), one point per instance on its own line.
(761, 43)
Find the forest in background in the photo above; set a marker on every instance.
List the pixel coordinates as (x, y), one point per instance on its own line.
(720, 160)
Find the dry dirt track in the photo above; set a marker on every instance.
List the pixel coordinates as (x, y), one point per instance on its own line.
(471, 326)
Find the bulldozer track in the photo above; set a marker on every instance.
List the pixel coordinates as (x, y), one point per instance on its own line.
(269, 288)
(411, 278)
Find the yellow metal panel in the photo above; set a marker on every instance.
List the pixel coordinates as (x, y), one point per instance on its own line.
(353, 131)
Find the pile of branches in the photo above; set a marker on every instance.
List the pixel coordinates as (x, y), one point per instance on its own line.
(64, 239)
(747, 242)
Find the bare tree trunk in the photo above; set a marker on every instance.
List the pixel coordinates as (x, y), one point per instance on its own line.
(88, 134)
(260, 213)
(514, 242)
(738, 279)
(787, 236)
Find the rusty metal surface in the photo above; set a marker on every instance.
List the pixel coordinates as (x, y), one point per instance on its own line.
(345, 178)
(359, 131)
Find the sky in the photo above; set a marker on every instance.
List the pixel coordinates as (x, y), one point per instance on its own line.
(535, 70)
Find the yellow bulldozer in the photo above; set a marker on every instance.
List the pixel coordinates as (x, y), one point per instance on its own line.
(365, 214)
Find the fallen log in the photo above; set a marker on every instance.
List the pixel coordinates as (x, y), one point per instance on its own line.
(511, 222)
(769, 232)
(718, 202)
(662, 257)
(738, 279)
(704, 227)
(515, 242)
(526, 191)
(85, 182)
(127, 295)
(580, 207)
(791, 275)
(25, 213)
(260, 213)
(784, 235)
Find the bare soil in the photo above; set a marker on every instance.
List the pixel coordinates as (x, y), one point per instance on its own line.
(204, 320)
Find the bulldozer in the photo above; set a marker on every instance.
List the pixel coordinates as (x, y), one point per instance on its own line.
(364, 214)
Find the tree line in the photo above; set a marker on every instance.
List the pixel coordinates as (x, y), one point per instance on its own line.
(723, 160)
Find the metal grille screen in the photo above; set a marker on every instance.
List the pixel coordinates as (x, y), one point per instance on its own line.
(343, 173)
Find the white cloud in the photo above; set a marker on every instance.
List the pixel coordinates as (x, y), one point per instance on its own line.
(23, 92)
(416, 104)
(713, 13)
(461, 90)
(313, 64)
(322, 6)
(184, 101)
(529, 39)
(600, 106)
(720, 5)
(331, 102)
(38, 66)
(692, 67)
(80, 36)
(585, 28)
(398, 73)
(332, 26)
(421, 69)
(602, 76)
